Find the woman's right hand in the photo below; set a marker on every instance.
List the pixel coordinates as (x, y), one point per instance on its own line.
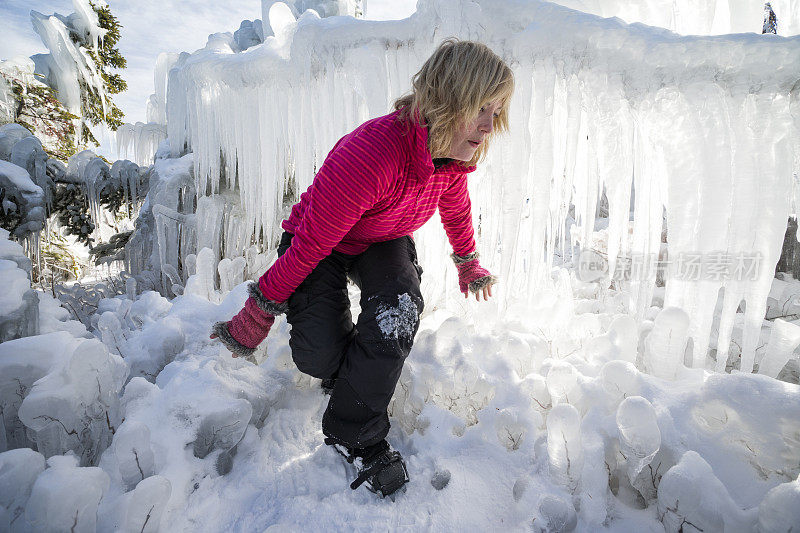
(215, 336)
(245, 331)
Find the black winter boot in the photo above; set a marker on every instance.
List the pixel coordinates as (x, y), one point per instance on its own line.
(381, 468)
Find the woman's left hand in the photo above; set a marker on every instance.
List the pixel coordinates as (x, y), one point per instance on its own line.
(472, 277)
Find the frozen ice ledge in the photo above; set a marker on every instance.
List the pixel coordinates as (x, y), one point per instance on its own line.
(704, 130)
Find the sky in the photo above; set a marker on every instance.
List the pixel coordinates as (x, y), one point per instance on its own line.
(150, 27)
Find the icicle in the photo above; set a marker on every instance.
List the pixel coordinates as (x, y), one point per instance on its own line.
(139, 142)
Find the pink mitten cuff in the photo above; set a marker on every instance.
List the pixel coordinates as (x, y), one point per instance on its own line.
(251, 325)
(472, 276)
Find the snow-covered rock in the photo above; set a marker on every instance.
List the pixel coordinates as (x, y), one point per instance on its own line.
(19, 469)
(10, 134)
(691, 495)
(64, 390)
(780, 508)
(65, 497)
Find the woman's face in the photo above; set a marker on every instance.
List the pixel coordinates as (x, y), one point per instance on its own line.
(469, 137)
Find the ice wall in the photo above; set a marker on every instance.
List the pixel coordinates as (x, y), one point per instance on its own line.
(696, 17)
(706, 127)
(139, 141)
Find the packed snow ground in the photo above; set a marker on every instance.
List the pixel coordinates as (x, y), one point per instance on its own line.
(528, 420)
(477, 396)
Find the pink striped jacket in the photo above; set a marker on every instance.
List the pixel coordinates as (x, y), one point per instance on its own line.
(378, 183)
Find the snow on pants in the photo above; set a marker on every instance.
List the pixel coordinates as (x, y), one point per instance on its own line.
(365, 358)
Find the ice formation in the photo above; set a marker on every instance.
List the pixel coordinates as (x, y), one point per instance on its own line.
(96, 179)
(593, 112)
(784, 338)
(29, 180)
(157, 103)
(139, 142)
(59, 391)
(7, 100)
(18, 303)
(780, 509)
(665, 345)
(134, 453)
(23, 70)
(562, 378)
(65, 497)
(558, 515)
(19, 469)
(70, 392)
(24, 311)
(203, 427)
(145, 505)
(25, 185)
(639, 436)
(324, 8)
(18, 317)
(620, 379)
(564, 446)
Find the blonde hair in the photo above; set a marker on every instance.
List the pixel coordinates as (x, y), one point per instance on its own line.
(452, 86)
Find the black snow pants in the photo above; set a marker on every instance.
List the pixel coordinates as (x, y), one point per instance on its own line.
(365, 358)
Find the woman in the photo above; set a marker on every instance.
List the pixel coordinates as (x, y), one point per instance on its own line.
(378, 185)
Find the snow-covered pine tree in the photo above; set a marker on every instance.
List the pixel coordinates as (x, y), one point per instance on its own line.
(59, 96)
(95, 107)
(81, 64)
